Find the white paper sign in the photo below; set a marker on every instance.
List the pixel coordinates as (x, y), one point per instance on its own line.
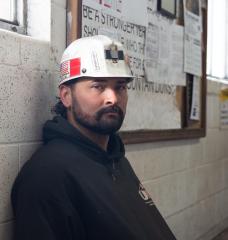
(193, 37)
(164, 51)
(195, 108)
(152, 5)
(131, 10)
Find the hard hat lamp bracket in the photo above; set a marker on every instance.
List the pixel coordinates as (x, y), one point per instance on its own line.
(114, 54)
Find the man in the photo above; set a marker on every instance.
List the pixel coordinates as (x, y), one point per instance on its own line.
(79, 185)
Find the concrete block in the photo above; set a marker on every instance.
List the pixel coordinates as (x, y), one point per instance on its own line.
(55, 79)
(211, 234)
(223, 225)
(60, 3)
(137, 154)
(177, 224)
(137, 163)
(35, 54)
(213, 87)
(221, 148)
(200, 221)
(9, 48)
(196, 153)
(173, 192)
(206, 215)
(187, 189)
(225, 204)
(225, 173)
(183, 224)
(6, 231)
(218, 177)
(212, 145)
(209, 180)
(220, 204)
(165, 160)
(204, 183)
(213, 116)
(26, 100)
(225, 132)
(58, 35)
(26, 151)
(153, 188)
(195, 222)
(8, 172)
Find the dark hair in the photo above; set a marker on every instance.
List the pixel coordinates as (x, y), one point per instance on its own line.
(59, 108)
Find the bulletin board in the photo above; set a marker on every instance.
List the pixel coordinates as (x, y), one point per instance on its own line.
(167, 51)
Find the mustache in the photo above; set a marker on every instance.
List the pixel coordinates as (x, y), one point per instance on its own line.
(110, 109)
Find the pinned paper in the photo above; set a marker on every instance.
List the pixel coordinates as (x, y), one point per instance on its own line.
(224, 108)
(195, 108)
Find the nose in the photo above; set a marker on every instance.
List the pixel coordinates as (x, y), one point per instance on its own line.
(110, 96)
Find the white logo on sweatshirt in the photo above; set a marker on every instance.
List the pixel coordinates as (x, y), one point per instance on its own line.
(145, 195)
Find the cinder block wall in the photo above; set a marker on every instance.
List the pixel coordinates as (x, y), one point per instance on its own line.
(28, 83)
(25, 87)
(188, 179)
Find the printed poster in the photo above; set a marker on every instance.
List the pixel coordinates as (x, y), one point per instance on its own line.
(224, 108)
(164, 51)
(193, 37)
(195, 108)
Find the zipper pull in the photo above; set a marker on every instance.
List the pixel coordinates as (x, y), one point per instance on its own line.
(113, 165)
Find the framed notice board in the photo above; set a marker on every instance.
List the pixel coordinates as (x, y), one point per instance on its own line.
(167, 99)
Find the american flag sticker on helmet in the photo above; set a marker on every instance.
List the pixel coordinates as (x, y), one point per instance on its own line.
(70, 68)
(65, 69)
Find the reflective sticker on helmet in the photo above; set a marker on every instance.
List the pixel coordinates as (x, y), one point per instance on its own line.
(95, 61)
(75, 67)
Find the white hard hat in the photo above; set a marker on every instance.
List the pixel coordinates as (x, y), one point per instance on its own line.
(96, 56)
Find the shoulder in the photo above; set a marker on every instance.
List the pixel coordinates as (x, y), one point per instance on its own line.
(57, 154)
(47, 173)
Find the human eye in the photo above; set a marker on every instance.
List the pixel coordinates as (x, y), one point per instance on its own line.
(121, 87)
(98, 86)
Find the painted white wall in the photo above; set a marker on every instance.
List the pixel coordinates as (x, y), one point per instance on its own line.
(188, 179)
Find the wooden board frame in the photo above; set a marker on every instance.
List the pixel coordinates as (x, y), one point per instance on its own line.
(190, 129)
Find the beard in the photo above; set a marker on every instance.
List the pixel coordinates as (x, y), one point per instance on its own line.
(99, 122)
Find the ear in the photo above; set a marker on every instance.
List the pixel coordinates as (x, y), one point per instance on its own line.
(65, 95)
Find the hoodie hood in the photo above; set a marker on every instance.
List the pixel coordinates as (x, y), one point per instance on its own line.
(60, 128)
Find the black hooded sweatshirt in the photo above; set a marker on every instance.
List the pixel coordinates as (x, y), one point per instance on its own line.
(71, 189)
